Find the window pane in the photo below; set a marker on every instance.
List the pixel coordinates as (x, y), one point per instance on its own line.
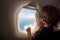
(26, 17)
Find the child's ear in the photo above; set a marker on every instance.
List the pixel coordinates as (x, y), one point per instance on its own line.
(45, 24)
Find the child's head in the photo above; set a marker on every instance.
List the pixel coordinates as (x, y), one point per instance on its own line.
(48, 14)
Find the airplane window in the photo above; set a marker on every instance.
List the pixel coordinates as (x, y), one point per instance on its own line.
(26, 17)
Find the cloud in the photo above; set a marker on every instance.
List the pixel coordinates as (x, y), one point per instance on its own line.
(26, 16)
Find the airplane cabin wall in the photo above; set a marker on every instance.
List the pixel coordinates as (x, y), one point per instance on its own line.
(8, 13)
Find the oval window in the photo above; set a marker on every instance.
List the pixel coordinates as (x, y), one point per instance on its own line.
(26, 17)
